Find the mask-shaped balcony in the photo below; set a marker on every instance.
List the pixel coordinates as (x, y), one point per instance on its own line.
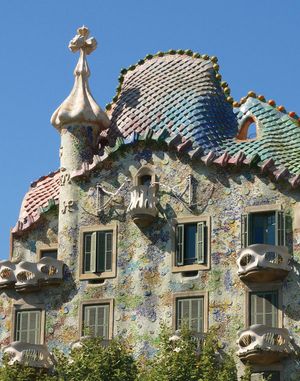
(26, 276)
(260, 344)
(35, 355)
(7, 274)
(263, 263)
(142, 207)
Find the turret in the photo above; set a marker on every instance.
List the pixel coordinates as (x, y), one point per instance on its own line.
(79, 121)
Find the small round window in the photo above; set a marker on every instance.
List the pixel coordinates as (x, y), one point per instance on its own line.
(248, 130)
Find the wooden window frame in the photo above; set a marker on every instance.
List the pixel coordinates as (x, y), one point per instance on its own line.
(44, 247)
(28, 307)
(258, 287)
(98, 228)
(191, 295)
(99, 302)
(191, 220)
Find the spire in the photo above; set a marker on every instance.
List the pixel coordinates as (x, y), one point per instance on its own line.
(80, 106)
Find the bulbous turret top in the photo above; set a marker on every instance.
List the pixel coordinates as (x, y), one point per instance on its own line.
(80, 107)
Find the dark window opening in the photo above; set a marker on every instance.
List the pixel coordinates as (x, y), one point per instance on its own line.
(49, 254)
(145, 180)
(262, 228)
(97, 249)
(191, 244)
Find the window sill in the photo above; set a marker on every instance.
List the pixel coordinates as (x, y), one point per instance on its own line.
(187, 268)
(97, 276)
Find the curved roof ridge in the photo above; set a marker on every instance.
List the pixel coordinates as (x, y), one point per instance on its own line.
(271, 102)
(171, 52)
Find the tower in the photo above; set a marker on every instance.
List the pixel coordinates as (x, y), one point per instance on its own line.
(79, 121)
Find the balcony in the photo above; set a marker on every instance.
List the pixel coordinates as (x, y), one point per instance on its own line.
(26, 276)
(35, 355)
(263, 263)
(264, 345)
(142, 207)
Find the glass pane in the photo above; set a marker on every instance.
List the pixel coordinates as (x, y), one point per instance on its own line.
(87, 251)
(108, 251)
(49, 254)
(262, 228)
(190, 232)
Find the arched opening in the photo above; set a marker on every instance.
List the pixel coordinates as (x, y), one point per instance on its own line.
(248, 129)
(145, 180)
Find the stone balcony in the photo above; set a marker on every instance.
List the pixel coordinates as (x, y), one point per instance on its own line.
(35, 355)
(264, 345)
(25, 276)
(142, 207)
(263, 263)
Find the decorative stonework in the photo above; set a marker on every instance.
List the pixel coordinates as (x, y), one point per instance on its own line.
(80, 106)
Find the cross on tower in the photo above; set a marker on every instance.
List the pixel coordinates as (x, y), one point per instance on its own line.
(82, 42)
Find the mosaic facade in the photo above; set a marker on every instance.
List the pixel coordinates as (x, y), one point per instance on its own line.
(190, 182)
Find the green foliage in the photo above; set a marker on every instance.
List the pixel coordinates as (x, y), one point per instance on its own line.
(96, 362)
(17, 372)
(179, 358)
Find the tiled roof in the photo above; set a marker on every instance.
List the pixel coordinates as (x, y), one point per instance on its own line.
(278, 138)
(178, 100)
(41, 197)
(179, 92)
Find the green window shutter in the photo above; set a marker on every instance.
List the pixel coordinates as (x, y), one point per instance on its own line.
(280, 228)
(179, 245)
(200, 243)
(244, 230)
(101, 241)
(108, 250)
(93, 252)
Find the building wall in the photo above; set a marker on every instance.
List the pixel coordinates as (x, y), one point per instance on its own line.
(144, 286)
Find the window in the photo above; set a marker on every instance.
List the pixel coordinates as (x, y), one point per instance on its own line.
(266, 227)
(97, 318)
(264, 308)
(145, 180)
(98, 252)
(191, 309)
(191, 244)
(270, 375)
(28, 326)
(248, 129)
(190, 312)
(49, 253)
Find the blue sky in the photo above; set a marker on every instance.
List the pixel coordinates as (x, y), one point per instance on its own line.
(257, 43)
